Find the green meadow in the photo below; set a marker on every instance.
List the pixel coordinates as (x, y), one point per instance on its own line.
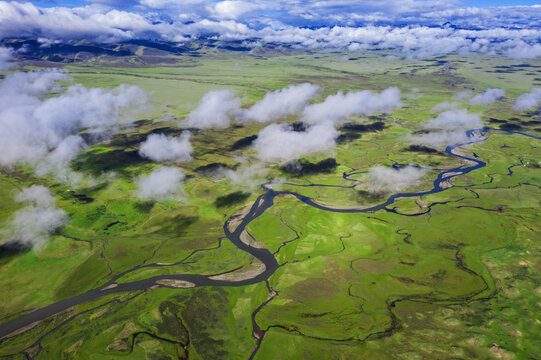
(450, 275)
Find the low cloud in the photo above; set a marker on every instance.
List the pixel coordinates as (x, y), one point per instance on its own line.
(529, 100)
(339, 106)
(39, 122)
(453, 119)
(384, 179)
(439, 139)
(5, 59)
(215, 109)
(158, 147)
(445, 106)
(280, 103)
(33, 224)
(247, 176)
(488, 97)
(161, 184)
(450, 128)
(280, 142)
(463, 95)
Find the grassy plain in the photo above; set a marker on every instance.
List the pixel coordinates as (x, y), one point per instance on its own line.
(462, 281)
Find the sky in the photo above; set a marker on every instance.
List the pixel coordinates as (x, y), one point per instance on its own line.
(412, 28)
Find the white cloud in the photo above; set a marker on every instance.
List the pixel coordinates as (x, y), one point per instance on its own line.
(163, 183)
(214, 110)
(246, 176)
(445, 106)
(529, 100)
(439, 139)
(280, 103)
(280, 142)
(231, 9)
(453, 119)
(5, 59)
(388, 179)
(159, 147)
(339, 107)
(33, 224)
(39, 122)
(488, 97)
(450, 128)
(513, 31)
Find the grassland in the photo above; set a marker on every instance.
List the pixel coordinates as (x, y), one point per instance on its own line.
(460, 281)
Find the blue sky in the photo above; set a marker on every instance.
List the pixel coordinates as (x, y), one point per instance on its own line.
(467, 3)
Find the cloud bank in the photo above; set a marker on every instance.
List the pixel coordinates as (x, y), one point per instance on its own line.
(33, 224)
(529, 100)
(161, 184)
(433, 27)
(158, 147)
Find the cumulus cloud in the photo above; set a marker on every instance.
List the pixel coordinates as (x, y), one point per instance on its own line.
(529, 100)
(383, 179)
(339, 106)
(280, 103)
(214, 110)
(158, 147)
(33, 224)
(449, 129)
(488, 97)
(439, 139)
(453, 119)
(246, 176)
(39, 122)
(280, 142)
(445, 106)
(463, 95)
(163, 183)
(5, 59)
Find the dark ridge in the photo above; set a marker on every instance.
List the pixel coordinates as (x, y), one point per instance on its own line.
(234, 198)
(497, 121)
(422, 131)
(376, 126)
(304, 167)
(244, 142)
(298, 126)
(158, 45)
(209, 169)
(510, 126)
(514, 119)
(234, 48)
(422, 149)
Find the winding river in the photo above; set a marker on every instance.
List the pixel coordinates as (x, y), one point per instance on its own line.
(267, 258)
